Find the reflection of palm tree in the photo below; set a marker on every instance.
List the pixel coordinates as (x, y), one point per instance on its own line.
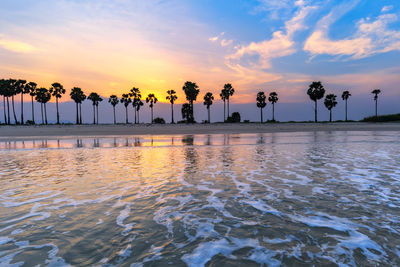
(172, 97)
(208, 100)
(316, 91)
(57, 90)
(273, 98)
(261, 97)
(376, 92)
(114, 101)
(31, 87)
(43, 96)
(152, 99)
(229, 91)
(126, 100)
(345, 97)
(191, 90)
(330, 102)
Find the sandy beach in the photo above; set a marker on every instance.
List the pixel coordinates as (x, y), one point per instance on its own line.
(42, 131)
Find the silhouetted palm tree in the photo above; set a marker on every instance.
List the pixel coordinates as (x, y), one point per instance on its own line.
(191, 90)
(261, 98)
(20, 88)
(273, 98)
(31, 87)
(95, 98)
(126, 100)
(57, 90)
(99, 99)
(229, 91)
(114, 101)
(43, 96)
(316, 91)
(78, 96)
(208, 100)
(186, 111)
(376, 92)
(13, 87)
(345, 97)
(330, 102)
(139, 104)
(8, 90)
(172, 97)
(136, 96)
(152, 99)
(3, 92)
(223, 97)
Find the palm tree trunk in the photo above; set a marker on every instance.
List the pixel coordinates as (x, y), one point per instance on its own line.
(80, 113)
(228, 107)
(261, 113)
(151, 115)
(33, 112)
(15, 117)
(376, 108)
(8, 110)
(346, 108)
(77, 113)
(22, 108)
(58, 115)
(134, 108)
(94, 114)
(315, 111)
(4, 109)
(172, 113)
(114, 115)
(273, 111)
(45, 113)
(330, 115)
(126, 115)
(224, 111)
(208, 108)
(97, 113)
(138, 117)
(41, 108)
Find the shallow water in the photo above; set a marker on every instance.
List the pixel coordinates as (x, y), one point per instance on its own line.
(275, 199)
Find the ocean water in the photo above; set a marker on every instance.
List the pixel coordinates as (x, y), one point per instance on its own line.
(291, 199)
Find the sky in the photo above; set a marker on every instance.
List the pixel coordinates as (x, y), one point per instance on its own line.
(258, 45)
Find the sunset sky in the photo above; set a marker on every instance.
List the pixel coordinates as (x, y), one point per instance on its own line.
(110, 46)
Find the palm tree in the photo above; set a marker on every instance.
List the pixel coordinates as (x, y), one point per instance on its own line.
(57, 90)
(13, 85)
(330, 102)
(208, 100)
(7, 93)
(114, 101)
(316, 91)
(152, 99)
(126, 100)
(273, 98)
(3, 92)
(20, 88)
(172, 97)
(376, 92)
(191, 90)
(78, 96)
(261, 97)
(31, 87)
(222, 95)
(229, 91)
(43, 96)
(139, 104)
(95, 98)
(345, 97)
(186, 111)
(136, 96)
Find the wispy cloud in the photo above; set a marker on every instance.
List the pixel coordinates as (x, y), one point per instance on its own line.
(16, 46)
(371, 36)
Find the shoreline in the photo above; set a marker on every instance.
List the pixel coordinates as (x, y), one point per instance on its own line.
(22, 132)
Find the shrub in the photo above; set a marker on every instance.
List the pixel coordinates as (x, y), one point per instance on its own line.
(159, 120)
(234, 118)
(383, 118)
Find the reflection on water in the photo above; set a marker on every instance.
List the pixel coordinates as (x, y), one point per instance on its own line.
(285, 198)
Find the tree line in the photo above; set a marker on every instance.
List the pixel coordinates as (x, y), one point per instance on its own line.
(11, 88)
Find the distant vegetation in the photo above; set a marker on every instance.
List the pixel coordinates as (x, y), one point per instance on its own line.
(382, 118)
(11, 88)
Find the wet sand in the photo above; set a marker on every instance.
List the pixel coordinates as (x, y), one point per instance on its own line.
(42, 131)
